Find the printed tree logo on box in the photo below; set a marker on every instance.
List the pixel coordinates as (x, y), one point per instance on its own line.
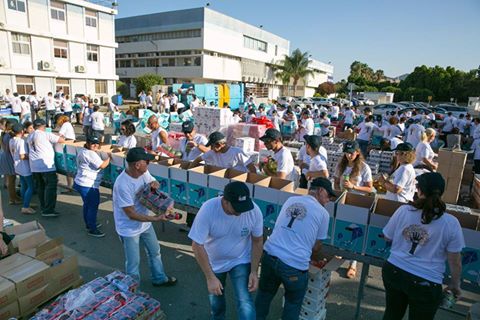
(296, 211)
(417, 235)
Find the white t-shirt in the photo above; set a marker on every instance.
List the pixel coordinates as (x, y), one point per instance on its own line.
(394, 142)
(460, 124)
(415, 134)
(324, 126)
(317, 163)
(124, 195)
(195, 152)
(423, 150)
(18, 146)
(67, 105)
(87, 114)
(97, 121)
(301, 222)
(67, 131)
(308, 128)
(41, 153)
(366, 130)
(421, 249)
(395, 130)
(335, 111)
(127, 142)
(88, 169)
(476, 149)
(227, 239)
(285, 162)
(403, 177)
(156, 138)
(25, 106)
(349, 116)
(448, 123)
(16, 105)
(234, 158)
(49, 103)
(364, 177)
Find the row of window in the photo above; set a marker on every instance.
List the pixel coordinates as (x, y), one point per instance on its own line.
(156, 54)
(252, 43)
(164, 62)
(21, 45)
(193, 33)
(25, 85)
(57, 11)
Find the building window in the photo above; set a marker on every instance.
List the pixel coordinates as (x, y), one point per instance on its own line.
(254, 44)
(124, 63)
(92, 52)
(63, 84)
(90, 18)
(57, 10)
(197, 61)
(60, 49)
(24, 85)
(17, 5)
(181, 34)
(101, 86)
(21, 43)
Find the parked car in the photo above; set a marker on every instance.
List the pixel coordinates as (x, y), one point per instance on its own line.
(322, 101)
(284, 100)
(440, 113)
(455, 109)
(382, 108)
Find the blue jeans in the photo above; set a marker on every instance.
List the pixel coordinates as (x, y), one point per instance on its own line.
(243, 300)
(26, 190)
(363, 144)
(131, 247)
(275, 272)
(91, 201)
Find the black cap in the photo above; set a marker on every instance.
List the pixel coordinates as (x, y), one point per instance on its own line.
(238, 194)
(137, 154)
(214, 137)
(350, 146)
(93, 139)
(17, 127)
(187, 126)
(271, 134)
(404, 147)
(431, 183)
(39, 123)
(313, 141)
(323, 183)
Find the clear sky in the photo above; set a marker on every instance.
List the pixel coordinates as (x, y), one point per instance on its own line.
(393, 35)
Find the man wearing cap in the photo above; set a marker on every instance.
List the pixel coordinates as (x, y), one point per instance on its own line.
(295, 240)
(224, 156)
(307, 126)
(193, 145)
(159, 135)
(227, 237)
(42, 165)
(282, 156)
(132, 220)
(318, 166)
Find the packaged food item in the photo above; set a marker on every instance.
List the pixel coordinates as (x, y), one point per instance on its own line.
(155, 200)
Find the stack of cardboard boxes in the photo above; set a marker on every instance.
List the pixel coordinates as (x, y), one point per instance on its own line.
(476, 190)
(451, 164)
(208, 119)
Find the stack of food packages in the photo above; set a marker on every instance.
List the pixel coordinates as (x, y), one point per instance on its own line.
(208, 119)
(382, 158)
(334, 154)
(112, 297)
(240, 130)
(314, 305)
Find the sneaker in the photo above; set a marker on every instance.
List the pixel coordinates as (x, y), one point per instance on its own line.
(96, 233)
(171, 281)
(50, 214)
(28, 211)
(98, 225)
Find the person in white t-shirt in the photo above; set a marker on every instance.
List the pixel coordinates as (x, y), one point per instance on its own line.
(193, 145)
(19, 151)
(365, 134)
(395, 141)
(194, 103)
(307, 126)
(42, 164)
(296, 240)
(159, 135)
(98, 123)
(50, 109)
(317, 167)
(324, 125)
(281, 155)
(349, 117)
(87, 118)
(224, 156)
(66, 128)
(34, 104)
(415, 132)
(127, 139)
(25, 114)
(423, 238)
(394, 129)
(335, 112)
(227, 239)
(67, 106)
(87, 183)
(133, 223)
(424, 154)
(448, 123)
(460, 123)
(401, 185)
(16, 104)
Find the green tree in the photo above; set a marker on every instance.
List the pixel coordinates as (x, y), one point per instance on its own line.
(122, 88)
(326, 88)
(341, 86)
(294, 66)
(419, 94)
(361, 73)
(147, 81)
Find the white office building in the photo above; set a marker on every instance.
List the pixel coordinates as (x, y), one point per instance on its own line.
(204, 46)
(46, 45)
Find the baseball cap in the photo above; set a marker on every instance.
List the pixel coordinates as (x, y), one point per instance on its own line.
(238, 194)
(214, 137)
(93, 139)
(17, 127)
(313, 141)
(271, 134)
(323, 183)
(431, 182)
(350, 146)
(137, 154)
(187, 126)
(39, 123)
(404, 147)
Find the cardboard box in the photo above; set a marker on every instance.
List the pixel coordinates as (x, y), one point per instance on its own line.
(178, 171)
(117, 165)
(8, 294)
(161, 173)
(63, 276)
(10, 311)
(50, 251)
(351, 221)
(331, 208)
(376, 245)
(471, 255)
(198, 178)
(452, 190)
(27, 235)
(267, 194)
(60, 160)
(27, 276)
(33, 299)
(251, 180)
(219, 179)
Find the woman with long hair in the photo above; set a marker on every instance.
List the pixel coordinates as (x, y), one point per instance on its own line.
(401, 185)
(423, 238)
(7, 167)
(424, 153)
(127, 139)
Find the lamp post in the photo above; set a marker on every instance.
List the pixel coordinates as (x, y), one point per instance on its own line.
(156, 60)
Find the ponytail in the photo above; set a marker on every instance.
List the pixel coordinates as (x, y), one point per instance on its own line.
(432, 206)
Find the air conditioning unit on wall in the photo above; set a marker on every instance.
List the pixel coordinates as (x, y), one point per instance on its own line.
(46, 66)
(104, 99)
(96, 100)
(80, 69)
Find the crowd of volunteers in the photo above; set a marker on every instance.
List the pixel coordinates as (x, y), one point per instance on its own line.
(227, 233)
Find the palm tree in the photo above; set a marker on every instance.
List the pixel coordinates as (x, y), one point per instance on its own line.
(294, 66)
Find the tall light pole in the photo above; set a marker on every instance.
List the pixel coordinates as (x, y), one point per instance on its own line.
(156, 60)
